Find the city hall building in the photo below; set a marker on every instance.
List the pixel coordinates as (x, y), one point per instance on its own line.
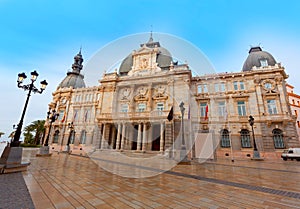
(152, 104)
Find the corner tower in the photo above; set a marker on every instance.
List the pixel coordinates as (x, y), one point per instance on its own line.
(74, 78)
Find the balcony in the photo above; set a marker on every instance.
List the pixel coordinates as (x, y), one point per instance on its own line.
(136, 115)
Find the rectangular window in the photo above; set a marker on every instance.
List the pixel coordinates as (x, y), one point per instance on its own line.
(242, 85)
(296, 113)
(61, 115)
(199, 89)
(124, 108)
(298, 123)
(238, 85)
(216, 87)
(205, 89)
(160, 106)
(241, 108)
(222, 87)
(221, 108)
(272, 106)
(202, 88)
(235, 85)
(141, 107)
(203, 109)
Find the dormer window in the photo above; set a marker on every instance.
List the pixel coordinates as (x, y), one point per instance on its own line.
(263, 62)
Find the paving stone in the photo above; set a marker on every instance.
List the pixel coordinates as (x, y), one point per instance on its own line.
(71, 181)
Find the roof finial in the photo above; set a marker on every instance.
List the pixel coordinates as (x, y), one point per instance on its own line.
(151, 38)
(80, 50)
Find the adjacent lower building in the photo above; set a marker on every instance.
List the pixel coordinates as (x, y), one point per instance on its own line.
(294, 100)
(152, 104)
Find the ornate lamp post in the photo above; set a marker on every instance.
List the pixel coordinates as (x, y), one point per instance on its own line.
(256, 155)
(71, 128)
(52, 116)
(31, 88)
(183, 148)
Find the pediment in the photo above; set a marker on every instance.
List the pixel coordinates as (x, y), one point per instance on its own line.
(143, 50)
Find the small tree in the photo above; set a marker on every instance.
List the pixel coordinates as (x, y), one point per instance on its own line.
(28, 138)
(38, 128)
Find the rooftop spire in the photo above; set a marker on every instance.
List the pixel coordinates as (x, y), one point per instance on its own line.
(80, 50)
(78, 60)
(151, 38)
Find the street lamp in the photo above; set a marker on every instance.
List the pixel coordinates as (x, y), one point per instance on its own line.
(31, 88)
(183, 148)
(52, 116)
(256, 154)
(71, 127)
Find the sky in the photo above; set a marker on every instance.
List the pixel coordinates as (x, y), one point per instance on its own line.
(45, 35)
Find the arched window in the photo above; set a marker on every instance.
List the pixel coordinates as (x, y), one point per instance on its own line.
(225, 142)
(278, 138)
(83, 137)
(72, 137)
(245, 138)
(55, 136)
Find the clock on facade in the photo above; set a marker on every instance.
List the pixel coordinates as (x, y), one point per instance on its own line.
(268, 85)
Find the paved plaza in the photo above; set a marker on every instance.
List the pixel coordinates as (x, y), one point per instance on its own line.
(68, 181)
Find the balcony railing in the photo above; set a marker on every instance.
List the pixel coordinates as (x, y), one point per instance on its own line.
(157, 114)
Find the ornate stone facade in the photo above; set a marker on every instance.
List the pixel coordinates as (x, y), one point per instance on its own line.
(128, 110)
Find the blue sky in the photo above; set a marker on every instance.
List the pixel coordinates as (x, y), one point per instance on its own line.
(45, 35)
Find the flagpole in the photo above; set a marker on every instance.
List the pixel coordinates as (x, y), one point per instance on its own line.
(173, 148)
(170, 117)
(191, 138)
(230, 140)
(231, 151)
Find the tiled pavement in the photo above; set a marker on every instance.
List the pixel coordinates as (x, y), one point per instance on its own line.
(66, 181)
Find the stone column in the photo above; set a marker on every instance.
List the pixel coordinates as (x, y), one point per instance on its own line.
(161, 148)
(118, 136)
(123, 136)
(98, 132)
(127, 141)
(131, 138)
(150, 137)
(103, 136)
(144, 141)
(139, 137)
(113, 136)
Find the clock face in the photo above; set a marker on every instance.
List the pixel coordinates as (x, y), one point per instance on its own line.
(63, 100)
(268, 85)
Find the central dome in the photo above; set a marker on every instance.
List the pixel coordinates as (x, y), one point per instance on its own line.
(258, 58)
(163, 58)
